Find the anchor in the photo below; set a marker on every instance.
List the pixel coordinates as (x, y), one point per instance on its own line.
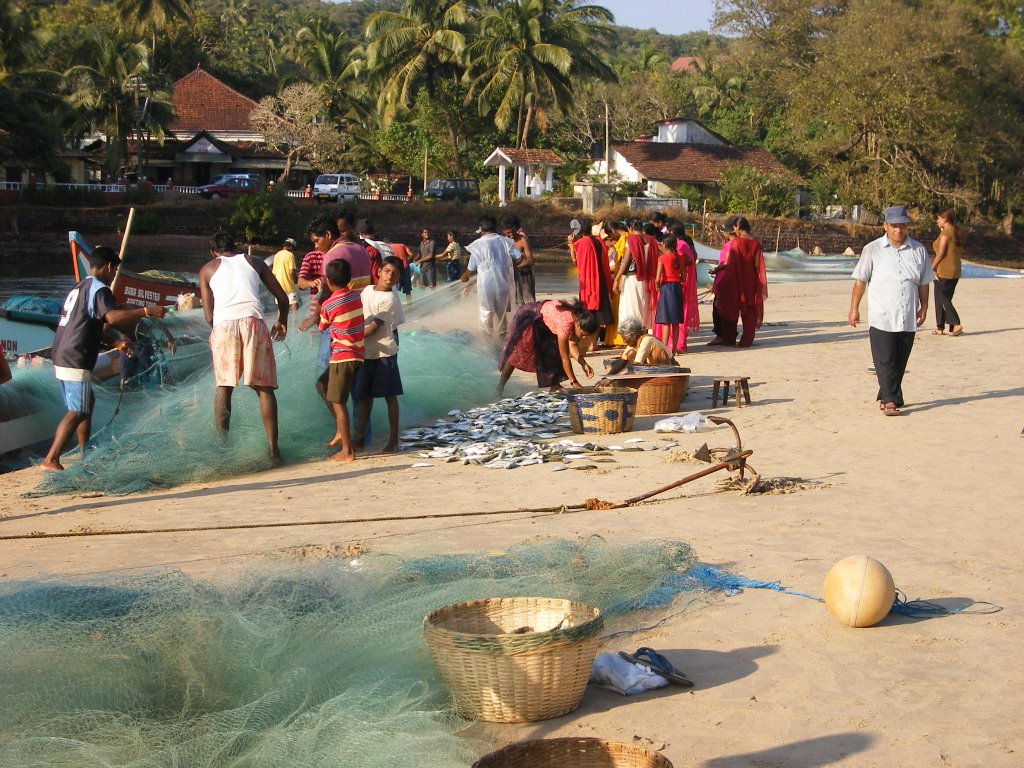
(733, 459)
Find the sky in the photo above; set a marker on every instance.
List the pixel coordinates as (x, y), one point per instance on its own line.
(674, 17)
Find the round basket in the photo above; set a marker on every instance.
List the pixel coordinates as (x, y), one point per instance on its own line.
(602, 410)
(572, 753)
(662, 395)
(514, 659)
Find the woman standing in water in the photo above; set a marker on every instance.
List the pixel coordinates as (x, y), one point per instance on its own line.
(946, 264)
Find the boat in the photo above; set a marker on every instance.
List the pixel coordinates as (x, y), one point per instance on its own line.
(162, 352)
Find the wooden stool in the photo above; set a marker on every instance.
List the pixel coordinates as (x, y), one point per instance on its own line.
(740, 385)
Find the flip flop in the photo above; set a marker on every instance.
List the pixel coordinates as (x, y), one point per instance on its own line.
(891, 410)
(655, 662)
(938, 332)
(957, 332)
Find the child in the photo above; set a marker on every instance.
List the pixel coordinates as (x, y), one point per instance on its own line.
(342, 312)
(378, 376)
(669, 279)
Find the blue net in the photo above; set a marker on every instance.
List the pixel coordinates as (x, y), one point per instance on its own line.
(321, 664)
(163, 433)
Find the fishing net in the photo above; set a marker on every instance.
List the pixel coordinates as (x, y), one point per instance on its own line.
(318, 665)
(164, 434)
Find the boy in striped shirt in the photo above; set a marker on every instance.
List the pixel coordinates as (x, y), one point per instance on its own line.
(342, 313)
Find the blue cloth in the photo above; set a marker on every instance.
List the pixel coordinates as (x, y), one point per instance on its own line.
(78, 396)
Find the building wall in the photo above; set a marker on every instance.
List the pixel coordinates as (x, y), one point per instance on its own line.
(685, 132)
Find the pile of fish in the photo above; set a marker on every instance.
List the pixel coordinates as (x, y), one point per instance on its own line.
(505, 435)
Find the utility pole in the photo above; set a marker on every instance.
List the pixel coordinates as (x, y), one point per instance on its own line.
(607, 146)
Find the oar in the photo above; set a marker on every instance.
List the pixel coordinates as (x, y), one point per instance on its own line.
(124, 244)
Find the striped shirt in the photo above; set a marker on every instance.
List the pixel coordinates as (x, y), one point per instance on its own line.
(343, 314)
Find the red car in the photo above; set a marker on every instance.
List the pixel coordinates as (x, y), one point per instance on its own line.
(230, 186)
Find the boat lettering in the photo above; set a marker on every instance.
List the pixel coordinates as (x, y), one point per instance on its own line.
(9, 345)
(139, 293)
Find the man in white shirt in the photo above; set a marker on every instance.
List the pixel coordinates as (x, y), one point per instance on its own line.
(492, 257)
(895, 271)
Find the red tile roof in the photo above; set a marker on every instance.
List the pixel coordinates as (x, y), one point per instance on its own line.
(531, 156)
(688, 64)
(202, 102)
(693, 163)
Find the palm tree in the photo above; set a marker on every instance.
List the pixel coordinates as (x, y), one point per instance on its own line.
(330, 61)
(153, 16)
(104, 93)
(419, 47)
(527, 56)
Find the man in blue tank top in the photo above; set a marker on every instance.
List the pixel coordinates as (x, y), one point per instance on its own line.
(88, 309)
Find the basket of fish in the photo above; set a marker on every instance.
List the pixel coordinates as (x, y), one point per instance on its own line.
(514, 659)
(602, 410)
(573, 752)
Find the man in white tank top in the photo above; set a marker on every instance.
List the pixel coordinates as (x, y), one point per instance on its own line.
(240, 342)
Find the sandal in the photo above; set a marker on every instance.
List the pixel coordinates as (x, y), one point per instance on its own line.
(938, 332)
(957, 331)
(890, 409)
(658, 664)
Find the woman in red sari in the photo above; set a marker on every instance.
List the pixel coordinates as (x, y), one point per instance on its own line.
(743, 287)
(590, 255)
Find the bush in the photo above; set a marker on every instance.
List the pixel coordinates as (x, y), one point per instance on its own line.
(73, 197)
(263, 217)
(748, 190)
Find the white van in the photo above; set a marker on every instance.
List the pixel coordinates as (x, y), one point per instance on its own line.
(336, 186)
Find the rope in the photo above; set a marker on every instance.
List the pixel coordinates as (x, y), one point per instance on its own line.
(925, 609)
(299, 523)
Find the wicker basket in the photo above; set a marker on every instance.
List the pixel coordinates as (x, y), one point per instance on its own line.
(602, 410)
(662, 395)
(514, 659)
(572, 753)
(655, 369)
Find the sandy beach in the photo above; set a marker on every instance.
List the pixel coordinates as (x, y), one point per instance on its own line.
(934, 494)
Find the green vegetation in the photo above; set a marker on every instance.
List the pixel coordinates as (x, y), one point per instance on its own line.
(925, 111)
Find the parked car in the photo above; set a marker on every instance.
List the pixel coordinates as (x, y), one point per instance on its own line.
(465, 190)
(336, 186)
(230, 186)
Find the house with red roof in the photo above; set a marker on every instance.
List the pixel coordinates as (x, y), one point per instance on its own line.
(682, 151)
(210, 135)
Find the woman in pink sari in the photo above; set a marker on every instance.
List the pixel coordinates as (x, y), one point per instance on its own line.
(688, 256)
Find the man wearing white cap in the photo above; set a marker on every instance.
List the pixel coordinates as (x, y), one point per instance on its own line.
(284, 269)
(895, 270)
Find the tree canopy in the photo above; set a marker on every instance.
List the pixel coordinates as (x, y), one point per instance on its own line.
(869, 101)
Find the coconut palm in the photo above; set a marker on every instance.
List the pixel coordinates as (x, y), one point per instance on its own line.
(330, 61)
(527, 56)
(153, 16)
(419, 47)
(108, 93)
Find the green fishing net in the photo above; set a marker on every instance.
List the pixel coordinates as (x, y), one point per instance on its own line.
(321, 664)
(163, 433)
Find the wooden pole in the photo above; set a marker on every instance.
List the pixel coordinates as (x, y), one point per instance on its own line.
(124, 245)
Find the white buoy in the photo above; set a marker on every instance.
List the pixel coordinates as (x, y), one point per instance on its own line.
(859, 591)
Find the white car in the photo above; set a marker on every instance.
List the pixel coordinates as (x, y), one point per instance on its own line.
(336, 187)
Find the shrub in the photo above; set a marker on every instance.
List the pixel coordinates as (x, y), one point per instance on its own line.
(748, 190)
(263, 217)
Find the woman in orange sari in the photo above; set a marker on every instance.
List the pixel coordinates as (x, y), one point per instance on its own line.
(743, 287)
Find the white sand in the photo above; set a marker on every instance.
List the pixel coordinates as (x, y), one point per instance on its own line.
(935, 494)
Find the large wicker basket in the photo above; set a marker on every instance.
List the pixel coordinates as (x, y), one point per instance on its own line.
(602, 410)
(514, 659)
(572, 753)
(662, 395)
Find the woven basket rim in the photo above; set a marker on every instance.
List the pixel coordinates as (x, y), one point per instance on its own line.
(596, 615)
